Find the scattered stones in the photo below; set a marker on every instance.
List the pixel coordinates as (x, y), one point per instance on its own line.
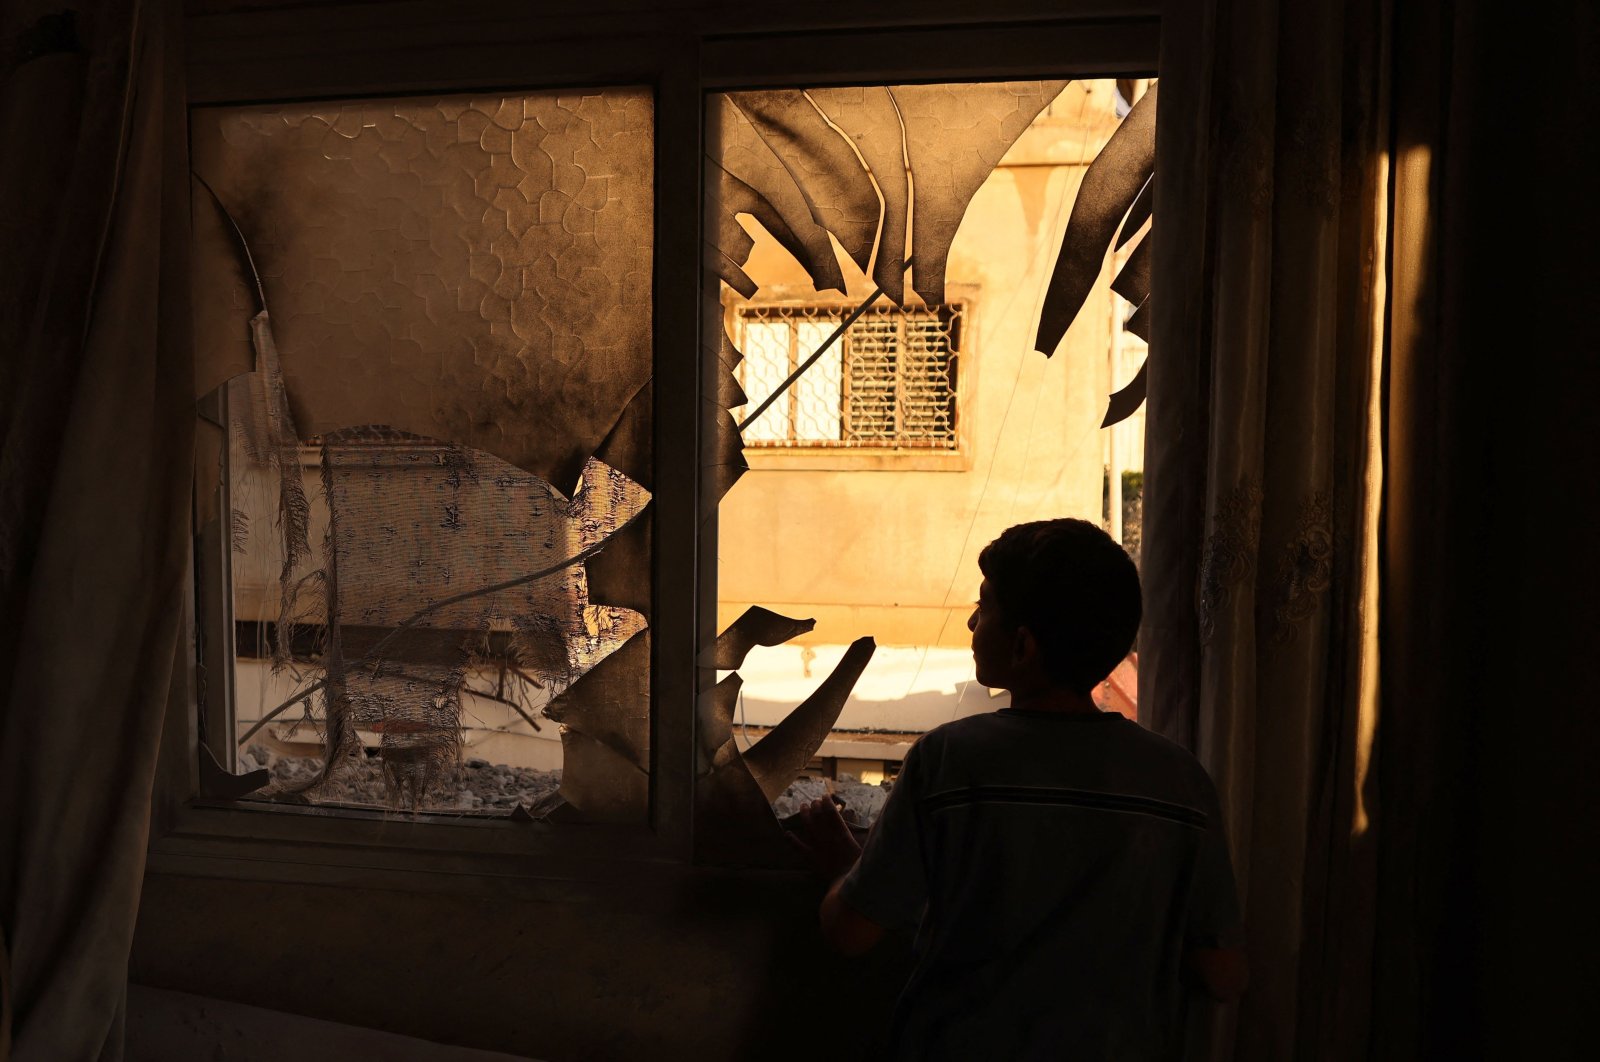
(865, 800)
(478, 786)
(495, 789)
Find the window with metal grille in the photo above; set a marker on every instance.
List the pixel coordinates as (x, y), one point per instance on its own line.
(890, 380)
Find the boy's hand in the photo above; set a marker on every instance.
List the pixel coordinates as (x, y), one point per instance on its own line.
(821, 834)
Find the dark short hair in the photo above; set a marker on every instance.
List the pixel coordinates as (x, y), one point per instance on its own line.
(1075, 588)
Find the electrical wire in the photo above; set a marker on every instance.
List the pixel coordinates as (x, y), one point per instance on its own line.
(1036, 261)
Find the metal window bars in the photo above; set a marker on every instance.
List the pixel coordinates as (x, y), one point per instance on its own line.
(890, 383)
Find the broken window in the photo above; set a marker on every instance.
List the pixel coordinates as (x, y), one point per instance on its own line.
(430, 320)
(889, 381)
(841, 224)
(429, 326)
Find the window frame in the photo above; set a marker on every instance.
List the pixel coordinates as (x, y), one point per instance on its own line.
(261, 56)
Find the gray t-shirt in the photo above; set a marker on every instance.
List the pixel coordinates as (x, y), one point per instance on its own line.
(1056, 866)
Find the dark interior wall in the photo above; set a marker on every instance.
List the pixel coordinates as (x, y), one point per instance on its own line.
(662, 966)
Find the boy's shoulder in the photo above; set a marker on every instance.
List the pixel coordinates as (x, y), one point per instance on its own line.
(964, 731)
(1114, 738)
(1006, 721)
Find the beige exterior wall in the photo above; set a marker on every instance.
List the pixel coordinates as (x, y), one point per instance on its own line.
(872, 546)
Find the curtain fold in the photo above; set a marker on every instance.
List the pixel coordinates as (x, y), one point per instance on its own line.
(96, 434)
(1263, 475)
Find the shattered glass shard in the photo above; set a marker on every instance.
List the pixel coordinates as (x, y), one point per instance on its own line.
(741, 152)
(1124, 402)
(869, 116)
(955, 136)
(822, 164)
(1112, 186)
(1138, 322)
(1138, 214)
(779, 757)
(605, 737)
(757, 626)
(475, 269)
(869, 165)
(1132, 282)
(716, 712)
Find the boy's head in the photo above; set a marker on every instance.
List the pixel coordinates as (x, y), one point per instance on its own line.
(1072, 587)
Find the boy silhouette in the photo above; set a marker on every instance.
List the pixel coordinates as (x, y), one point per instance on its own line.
(1065, 869)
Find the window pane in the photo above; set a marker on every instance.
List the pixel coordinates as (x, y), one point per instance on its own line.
(951, 427)
(926, 404)
(445, 420)
(819, 393)
(874, 378)
(766, 364)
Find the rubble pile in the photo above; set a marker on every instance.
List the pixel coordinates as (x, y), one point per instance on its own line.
(487, 788)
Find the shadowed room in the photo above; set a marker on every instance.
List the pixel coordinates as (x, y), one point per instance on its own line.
(485, 488)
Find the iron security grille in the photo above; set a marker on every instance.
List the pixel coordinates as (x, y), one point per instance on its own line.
(889, 382)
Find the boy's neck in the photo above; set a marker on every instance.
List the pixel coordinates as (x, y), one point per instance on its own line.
(1053, 699)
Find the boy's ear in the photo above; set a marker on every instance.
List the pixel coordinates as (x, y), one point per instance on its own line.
(1025, 647)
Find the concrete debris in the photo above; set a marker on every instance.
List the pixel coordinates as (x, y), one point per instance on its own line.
(865, 800)
(488, 788)
(479, 786)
